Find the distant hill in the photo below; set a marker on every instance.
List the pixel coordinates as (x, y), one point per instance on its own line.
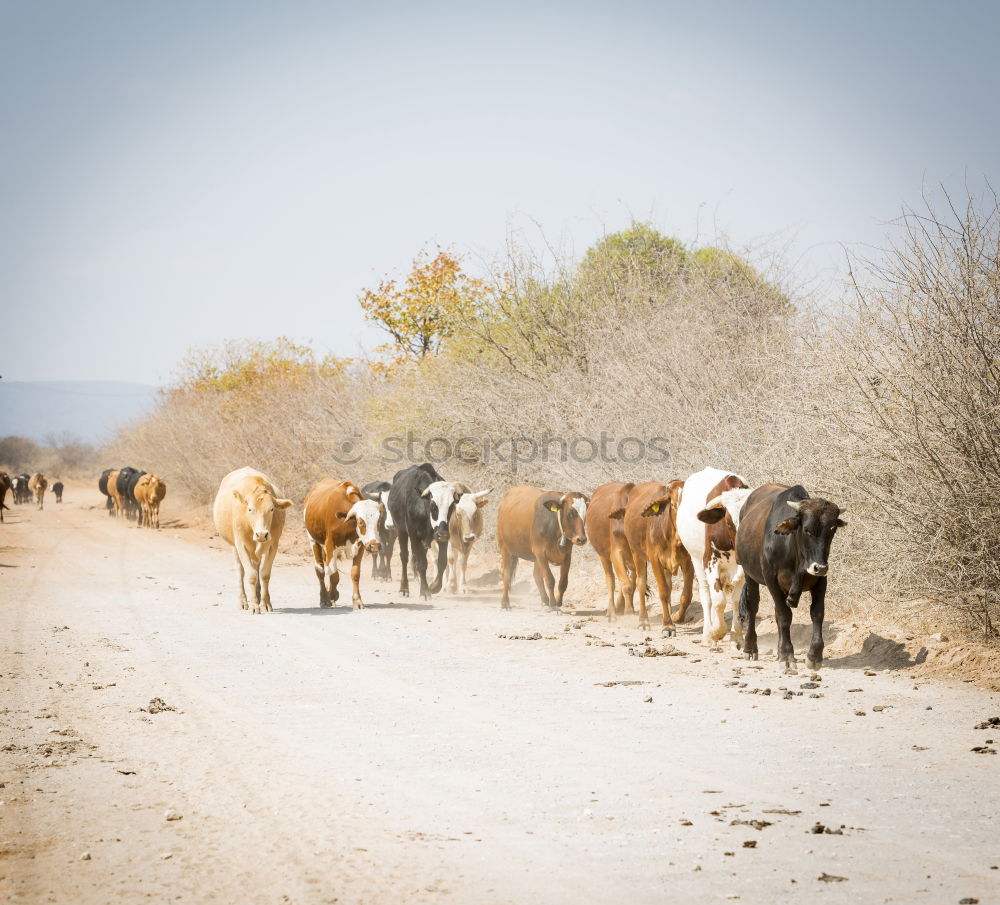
(89, 409)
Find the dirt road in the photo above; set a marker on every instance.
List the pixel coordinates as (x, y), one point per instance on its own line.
(410, 753)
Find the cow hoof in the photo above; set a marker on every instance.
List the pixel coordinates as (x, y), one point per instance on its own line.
(644, 626)
(750, 655)
(814, 665)
(668, 631)
(505, 606)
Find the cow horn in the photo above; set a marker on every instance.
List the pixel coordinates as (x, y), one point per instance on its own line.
(427, 492)
(794, 505)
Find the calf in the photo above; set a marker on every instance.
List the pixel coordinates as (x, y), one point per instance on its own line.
(342, 524)
(57, 489)
(465, 525)
(37, 485)
(124, 500)
(378, 491)
(540, 526)
(607, 537)
(249, 515)
(783, 542)
(650, 523)
(149, 492)
(420, 505)
(710, 541)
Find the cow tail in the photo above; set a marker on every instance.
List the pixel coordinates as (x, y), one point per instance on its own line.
(743, 605)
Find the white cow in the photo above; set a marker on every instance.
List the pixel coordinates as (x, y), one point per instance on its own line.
(711, 543)
(464, 527)
(249, 515)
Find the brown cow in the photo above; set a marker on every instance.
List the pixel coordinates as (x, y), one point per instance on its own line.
(342, 523)
(5, 485)
(607, 537)
(541, 526)
(37, 486)
(651, 530)
(149, 493)
(249, 516)
(465, 526)
(116, 498)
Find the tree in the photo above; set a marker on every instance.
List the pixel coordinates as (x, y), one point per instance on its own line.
(637, 255)
(423, 312)
(731, 275)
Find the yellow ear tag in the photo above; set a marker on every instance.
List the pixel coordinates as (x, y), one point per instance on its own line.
(656, 507)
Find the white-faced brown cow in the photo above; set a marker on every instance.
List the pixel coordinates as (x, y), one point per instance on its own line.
(710, 538)
(342, 524)
(149, 493)
(650, 523)
(249, 515)
(37, 485)
(541, 526)
(607, 537)
(465, 526)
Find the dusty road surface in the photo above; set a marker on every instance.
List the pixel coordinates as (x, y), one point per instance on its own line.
(410, 753)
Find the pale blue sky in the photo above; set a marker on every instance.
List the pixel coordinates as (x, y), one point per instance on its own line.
(178, 173)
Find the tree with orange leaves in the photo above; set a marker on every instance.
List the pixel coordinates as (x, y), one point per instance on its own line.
(420, 313)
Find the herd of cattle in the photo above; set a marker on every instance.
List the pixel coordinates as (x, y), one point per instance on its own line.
(25, 487)
(711, 527)
(133, 494)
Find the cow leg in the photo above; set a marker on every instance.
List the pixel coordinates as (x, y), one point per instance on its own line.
(320, 566)
(563, 577)
(404, 558)
(687, 588)
(452, 570)
(705, 598)
(420, 569)
(375, 566)
(388, 559)
(717, 629)
(609, 580)
(625, 572)
(750, 601)
(242, 569)
(733, 592)
(783, 616)
(641, 586)
(508, 564)
(356, 600)
(816, 610)
(265, 576)
(543, 590)
(463, 561)
(664, 588)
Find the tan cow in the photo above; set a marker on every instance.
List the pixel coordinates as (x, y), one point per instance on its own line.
(342, 523)
(117, 509)
(149, 493)
(37, 486)
(465, 525)
(249, 515)
(651, 531)
(541, 526)
(607, 537)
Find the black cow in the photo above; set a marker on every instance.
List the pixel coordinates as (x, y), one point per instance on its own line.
(20, 487)
(382, 561)
(57, 489)
(783, 542)
(420, 504)
(125, 485)
(130, 501)
(102, 485)
(5, 485)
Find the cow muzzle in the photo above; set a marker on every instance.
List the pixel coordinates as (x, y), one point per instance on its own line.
(261, 536)
(441, 532)
(374, 547)
(469, 538)
(818, 569)
(579, 541)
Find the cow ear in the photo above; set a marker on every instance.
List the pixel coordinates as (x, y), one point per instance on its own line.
(553, 505)
(239, 497)
(481, 500)
(711, 516)
(840, 523)
(656, 507)
(618, 513)
(427, 491)
(787, 526)
(282, 504)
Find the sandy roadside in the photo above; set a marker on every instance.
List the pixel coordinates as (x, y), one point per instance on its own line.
(408, 753)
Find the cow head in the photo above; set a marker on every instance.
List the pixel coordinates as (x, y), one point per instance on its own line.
(728, 503)
(260, 506)
(814, 523)
(366, 514)
(443, 495)
(571, 510)
(465, 511)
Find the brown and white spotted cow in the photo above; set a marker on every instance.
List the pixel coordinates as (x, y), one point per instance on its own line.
(342, 524)
(650, 521)
(711, 541)
(541, 526)
(465, 526)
